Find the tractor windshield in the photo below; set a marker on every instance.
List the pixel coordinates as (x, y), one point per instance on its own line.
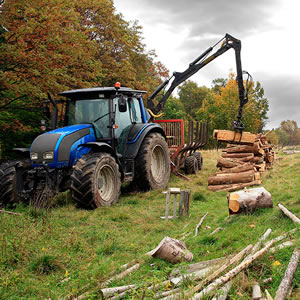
(87, 111)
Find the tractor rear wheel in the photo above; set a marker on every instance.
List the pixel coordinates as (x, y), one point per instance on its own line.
(8, 181)
(199, 158)
(96, 181)
(152, 163)
(190, 165)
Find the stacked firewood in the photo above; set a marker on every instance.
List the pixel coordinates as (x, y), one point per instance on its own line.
(246, 156)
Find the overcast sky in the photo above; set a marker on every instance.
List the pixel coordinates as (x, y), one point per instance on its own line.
(179, 31)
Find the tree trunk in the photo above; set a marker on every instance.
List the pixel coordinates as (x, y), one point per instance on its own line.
(232, 178)
(288, 276)
(238, 169)
(227, 163)
(228, 136)
(249, 200)
(232, 187)
(244, 149)
(237, 155)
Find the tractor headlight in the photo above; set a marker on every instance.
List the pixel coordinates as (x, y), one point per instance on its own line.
(48, 155)
(34, 156)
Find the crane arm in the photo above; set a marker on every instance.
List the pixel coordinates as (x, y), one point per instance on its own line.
(200, 62)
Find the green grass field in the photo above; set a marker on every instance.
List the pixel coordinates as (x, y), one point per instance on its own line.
(65, 251)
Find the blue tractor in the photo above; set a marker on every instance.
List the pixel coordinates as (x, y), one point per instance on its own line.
(106, 140)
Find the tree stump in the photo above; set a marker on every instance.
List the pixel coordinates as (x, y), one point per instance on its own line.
(248, 200)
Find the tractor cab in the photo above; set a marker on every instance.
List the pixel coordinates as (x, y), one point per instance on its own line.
(112, 112)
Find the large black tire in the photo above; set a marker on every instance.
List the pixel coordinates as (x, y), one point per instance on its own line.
(152, 169)
(8, 181)
(191, 165)
(96, 181)
(199, 158)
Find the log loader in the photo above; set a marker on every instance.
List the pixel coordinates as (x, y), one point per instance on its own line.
(108, 138)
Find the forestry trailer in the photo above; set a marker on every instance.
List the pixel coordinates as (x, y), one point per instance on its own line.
(107, 139)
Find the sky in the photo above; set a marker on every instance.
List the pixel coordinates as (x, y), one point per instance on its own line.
(179, 31)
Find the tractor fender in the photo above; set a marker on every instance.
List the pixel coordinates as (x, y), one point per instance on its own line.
(104, 147)
(137, 136)
(100, 147)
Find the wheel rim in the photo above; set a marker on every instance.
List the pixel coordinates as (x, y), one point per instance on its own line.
(106, 183)
(157, 163)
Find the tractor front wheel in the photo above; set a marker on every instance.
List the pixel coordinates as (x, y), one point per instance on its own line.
(96, 180)
(8, 181)
(153, 163)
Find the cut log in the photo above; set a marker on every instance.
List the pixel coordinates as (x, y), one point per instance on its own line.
(243, 148)
(289, 214)
(248, 200)
(243, 177)
(237, 155)
(232, 187)
(287, 280)
(229, 275)
(237, 169)
(227, 163)
(229, 136)
(244, 159)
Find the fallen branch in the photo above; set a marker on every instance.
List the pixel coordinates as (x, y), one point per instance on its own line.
(225, 278)
(223, 292)
(199, 224)
(287, 280)
(289, 214)
(167, 293)
(281, 246)
(216, 230)
(121, 275)
(258, 244)
(256, 292)
(236, 258)
(9, 212)
(109, 292)
(197, 266)
(281, 237)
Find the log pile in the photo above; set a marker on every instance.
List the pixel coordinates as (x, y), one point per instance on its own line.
(242, 161)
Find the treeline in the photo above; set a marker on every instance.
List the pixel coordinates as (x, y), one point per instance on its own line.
(55, 45)
(219, 104)
(288, 134)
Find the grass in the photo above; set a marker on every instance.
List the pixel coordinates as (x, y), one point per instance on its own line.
(65, 251)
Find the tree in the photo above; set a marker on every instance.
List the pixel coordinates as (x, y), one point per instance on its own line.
(55, 45)
(192, 96)
(292, 130)
(220, 109)
(174, 109)
(217, 84)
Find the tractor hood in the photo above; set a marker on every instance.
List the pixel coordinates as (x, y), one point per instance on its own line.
(59, 147)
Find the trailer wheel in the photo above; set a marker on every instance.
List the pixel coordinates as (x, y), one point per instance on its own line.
(96, 181)
(8, 181)
(191, 165)
(199, 159)
(152, 163)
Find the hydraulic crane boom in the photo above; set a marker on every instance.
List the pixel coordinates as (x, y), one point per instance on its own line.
(228, 42)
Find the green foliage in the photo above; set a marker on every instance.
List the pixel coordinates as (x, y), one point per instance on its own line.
(174, 109)
(192, 96)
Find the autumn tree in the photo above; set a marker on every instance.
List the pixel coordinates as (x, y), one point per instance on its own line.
(55, 45)
(220, 109)
(291, 129)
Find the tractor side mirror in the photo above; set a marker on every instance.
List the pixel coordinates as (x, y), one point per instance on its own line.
(122, 104)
